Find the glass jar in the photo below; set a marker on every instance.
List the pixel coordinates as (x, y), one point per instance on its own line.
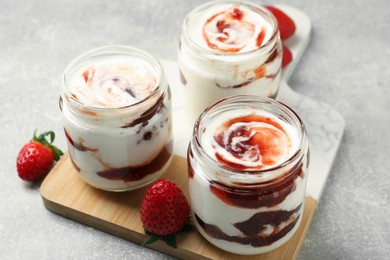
(248, 168)
(116, 145)
(247, 62)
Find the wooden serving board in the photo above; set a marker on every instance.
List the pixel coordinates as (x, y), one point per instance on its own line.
(64, 193)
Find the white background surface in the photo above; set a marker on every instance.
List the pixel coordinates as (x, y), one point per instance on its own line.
(346, 65)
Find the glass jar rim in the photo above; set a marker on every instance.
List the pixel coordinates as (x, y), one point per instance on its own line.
(287, 111)
(212, 53)
(112, 50)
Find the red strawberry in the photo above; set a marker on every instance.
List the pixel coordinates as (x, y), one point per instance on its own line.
(36, 157)
(164, 211)
(287, 56)
(286, 24)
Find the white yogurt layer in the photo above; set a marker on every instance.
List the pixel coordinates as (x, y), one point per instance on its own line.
(227, 27)
(113, 82)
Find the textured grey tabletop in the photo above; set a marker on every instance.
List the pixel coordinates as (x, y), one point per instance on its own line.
(346, 65)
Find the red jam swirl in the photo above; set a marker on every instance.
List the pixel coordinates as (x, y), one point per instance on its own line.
(136, 173)
(268, 194)
(127, 173)
(253, 228)
(251, 143)
(114, 85)
(230, 31)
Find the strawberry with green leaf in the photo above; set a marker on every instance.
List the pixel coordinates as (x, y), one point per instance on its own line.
(36, 157)
(164, 212)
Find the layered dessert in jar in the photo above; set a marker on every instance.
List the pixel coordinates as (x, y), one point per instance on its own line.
(248, 168)
(228, 48)
(116, 108)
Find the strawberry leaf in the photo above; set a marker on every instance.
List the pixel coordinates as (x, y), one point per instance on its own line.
(52, 136)
(42, 139)
(57, 152)
(48, 133)
(151, 238)
(170, 240)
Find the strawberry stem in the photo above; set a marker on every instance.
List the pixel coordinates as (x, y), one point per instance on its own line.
(42, 139)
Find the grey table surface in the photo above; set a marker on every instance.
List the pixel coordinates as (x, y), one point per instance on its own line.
(346, 65)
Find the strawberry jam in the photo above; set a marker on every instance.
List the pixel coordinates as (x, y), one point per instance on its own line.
(136, 173)
(251, 138)
(252, 227)
(230, 31)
